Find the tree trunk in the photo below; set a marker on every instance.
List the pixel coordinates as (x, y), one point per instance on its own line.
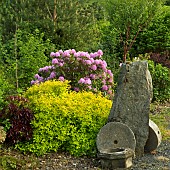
(125, 53)
(16, 60)
(55, 15)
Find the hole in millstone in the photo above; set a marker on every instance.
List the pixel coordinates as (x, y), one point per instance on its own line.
(115, 142)
(158, 132)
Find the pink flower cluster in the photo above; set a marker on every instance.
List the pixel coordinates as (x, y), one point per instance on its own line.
(85, 71)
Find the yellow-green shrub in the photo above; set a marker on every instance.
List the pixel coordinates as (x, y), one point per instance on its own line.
(66, 120)
(48, 88)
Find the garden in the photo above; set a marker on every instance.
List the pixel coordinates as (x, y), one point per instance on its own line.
(59, 66)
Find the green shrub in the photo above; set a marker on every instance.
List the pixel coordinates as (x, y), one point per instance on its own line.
(65, 120)
(161, 82)
(5, 88)
(47, 89)
(22, 56)
(155, 38)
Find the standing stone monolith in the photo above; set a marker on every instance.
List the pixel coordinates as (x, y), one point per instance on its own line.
(131, 103)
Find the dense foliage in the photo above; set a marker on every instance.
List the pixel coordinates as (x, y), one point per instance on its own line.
(65, 120)
(161, 81)
(129, 18)
(67, 23)
(16, 118)
(156, 38)
(82, 25)
(23, 55)
(5, 88)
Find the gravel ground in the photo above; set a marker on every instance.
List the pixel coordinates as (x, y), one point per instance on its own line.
(158, 160)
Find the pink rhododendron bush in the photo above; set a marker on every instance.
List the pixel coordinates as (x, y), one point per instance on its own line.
(84, 71)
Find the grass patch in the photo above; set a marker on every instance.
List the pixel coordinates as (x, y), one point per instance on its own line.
(14, 160)
(160, 114)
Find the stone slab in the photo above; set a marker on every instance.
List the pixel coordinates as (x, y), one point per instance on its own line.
(116, 164)
(118, 159)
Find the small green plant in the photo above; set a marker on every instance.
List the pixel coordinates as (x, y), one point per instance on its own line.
(161, 116)
(65, 119)
(14, 160)
(23, 55)
(8, 162)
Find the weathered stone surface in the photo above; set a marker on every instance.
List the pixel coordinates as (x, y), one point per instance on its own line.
(115, 135)
(131, 103)
(154, 138)
(2, 134)
(119, 158)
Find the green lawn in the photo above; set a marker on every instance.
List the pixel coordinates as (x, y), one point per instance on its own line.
(160, 114)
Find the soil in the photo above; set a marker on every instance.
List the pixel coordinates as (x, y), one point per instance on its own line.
(157, 160)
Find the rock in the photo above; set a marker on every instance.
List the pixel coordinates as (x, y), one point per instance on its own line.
(2, 134)
(119, 159)
(154, 138)
(162, 158)
(116, 145)
(115, 135)
(131, 103)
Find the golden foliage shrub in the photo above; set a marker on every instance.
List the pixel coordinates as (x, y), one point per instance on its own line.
(65, 119)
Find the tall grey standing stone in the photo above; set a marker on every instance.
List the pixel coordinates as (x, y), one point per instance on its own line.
(131, 103)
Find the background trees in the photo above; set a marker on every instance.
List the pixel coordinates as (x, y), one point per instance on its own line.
(129, 18)
(156, 38)
(30, 30)
(64, 23)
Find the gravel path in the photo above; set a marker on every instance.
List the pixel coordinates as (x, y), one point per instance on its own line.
(159, 160)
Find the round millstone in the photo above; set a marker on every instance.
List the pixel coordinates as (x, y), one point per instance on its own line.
(115, 135)
(154, 138)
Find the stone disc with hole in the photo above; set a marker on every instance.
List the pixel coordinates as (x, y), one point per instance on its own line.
(154, 138)
(115, 135)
